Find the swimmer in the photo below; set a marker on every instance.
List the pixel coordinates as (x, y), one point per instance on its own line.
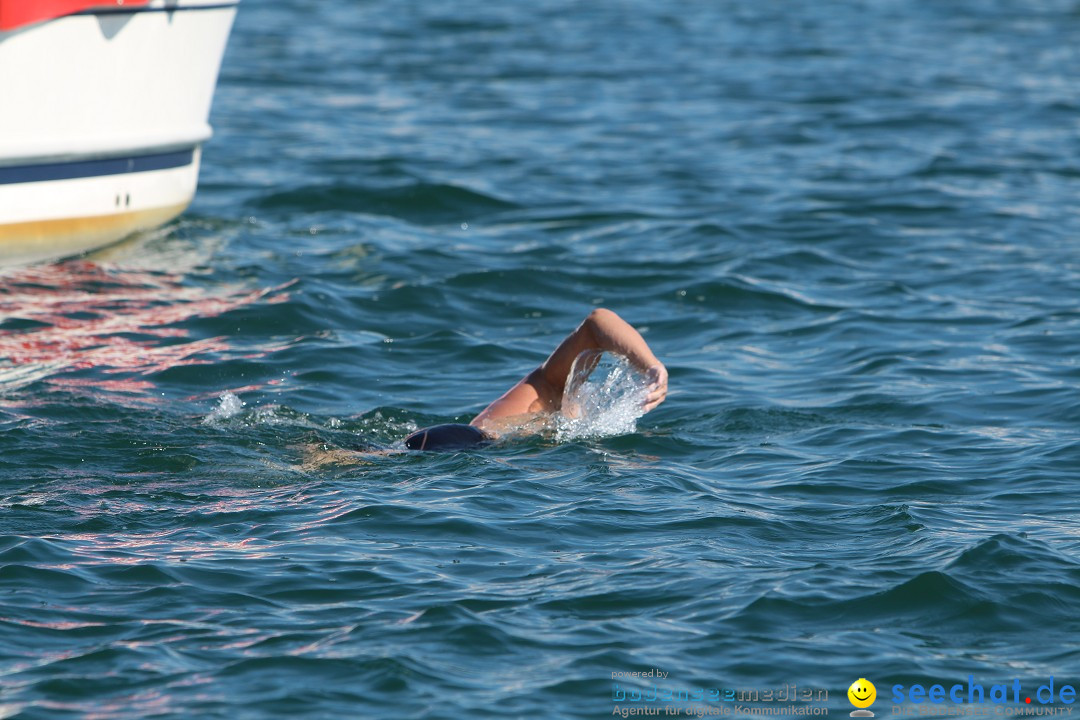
(541, 391)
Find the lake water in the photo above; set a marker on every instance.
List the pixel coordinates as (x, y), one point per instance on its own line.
(849, 229)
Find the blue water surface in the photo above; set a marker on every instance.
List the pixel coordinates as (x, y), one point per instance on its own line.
(849, 228)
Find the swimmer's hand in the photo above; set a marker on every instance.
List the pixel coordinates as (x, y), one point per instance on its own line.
(657, 378)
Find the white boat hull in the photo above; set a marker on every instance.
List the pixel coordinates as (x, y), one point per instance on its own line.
(102, 117)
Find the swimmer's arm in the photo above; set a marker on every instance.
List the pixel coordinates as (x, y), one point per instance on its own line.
(542, 389)
(601, 330)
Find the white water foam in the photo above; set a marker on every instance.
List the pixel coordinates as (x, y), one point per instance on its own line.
(604, 396)
(229, 406)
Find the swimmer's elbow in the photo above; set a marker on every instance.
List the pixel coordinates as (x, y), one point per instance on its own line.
(600, 316)
(598, 324)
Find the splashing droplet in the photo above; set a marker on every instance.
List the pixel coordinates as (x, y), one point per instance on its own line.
(604, 396)
(229, 405)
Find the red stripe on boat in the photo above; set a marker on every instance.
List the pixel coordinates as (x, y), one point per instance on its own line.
(16, 13)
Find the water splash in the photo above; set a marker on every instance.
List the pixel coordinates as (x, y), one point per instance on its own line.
(604, 396)
(229, 406)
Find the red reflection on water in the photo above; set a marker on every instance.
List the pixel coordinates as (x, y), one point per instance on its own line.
(79, 315)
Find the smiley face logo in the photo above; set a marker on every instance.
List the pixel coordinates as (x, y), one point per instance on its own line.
(862, 694)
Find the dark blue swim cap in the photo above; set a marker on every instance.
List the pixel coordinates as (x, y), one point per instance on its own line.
(453, 436)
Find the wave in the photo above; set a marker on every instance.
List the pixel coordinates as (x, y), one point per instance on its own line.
(421, 203)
